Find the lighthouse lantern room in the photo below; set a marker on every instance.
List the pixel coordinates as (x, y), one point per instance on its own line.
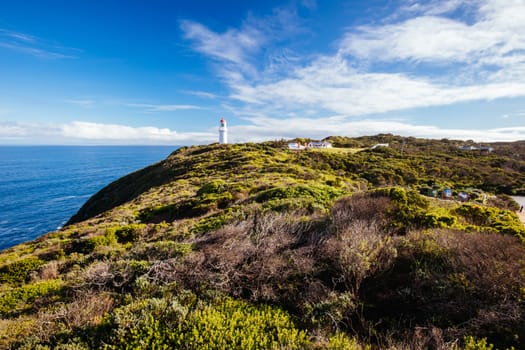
(223, 132)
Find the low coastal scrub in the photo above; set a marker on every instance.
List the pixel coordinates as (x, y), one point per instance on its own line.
(222, 324)
(18, 272)
(22, 298)
(253, 246)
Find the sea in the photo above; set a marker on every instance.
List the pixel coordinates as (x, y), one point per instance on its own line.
(41, 187)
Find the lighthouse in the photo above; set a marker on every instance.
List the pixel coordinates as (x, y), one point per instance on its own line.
(223, 132)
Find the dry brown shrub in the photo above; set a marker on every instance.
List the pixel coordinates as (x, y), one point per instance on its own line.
(47, 324)
(86, 310)
(49, 271)
(360, 250)
(493, 268)
(97, 275)
(466, 283)
(493, 263)
(266, 259)
(162, 272)
(360, 207)
(430, 338)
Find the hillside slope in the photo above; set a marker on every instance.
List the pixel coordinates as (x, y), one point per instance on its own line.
(253, 246)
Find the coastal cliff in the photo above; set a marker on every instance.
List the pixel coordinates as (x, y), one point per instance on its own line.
(255, 246)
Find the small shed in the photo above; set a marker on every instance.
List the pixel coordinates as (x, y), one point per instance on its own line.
(447, 193)
(463, 196)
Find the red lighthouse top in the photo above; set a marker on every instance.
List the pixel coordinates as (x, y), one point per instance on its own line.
(223, 121)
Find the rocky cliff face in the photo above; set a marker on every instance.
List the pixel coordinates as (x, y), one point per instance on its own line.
(124, 190)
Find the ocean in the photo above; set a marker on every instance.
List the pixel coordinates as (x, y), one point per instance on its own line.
(41, 187)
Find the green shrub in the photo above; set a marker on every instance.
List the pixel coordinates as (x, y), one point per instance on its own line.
(127, 234)
(170, 212)
(341, 341)
(237, 325)
(229, 324)
(477, 344)
(93, 242)
(88, 245)
(213, 187)
(216, 221)
(322, 195)
(409, 209)
(18, 271)
(22, 298)
(211, 223)
(436, 220)
(213, 201)
(498, 220)
(170, 249)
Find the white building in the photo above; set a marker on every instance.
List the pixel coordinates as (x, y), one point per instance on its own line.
(475, 148)
(223, 132)
(296, 146)
(379, 145)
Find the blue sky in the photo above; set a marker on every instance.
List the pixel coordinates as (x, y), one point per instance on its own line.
(165, 72)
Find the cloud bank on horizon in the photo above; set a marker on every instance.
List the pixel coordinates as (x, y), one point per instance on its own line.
(401, 73)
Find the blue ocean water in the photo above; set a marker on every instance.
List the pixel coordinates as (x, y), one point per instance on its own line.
(41, 187)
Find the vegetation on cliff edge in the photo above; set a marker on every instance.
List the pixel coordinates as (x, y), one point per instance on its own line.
(253, 246)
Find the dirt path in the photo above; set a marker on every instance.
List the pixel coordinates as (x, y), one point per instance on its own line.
(521, 201)
(522, 216)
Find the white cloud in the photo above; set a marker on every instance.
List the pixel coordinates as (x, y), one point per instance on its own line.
(425, 38)
(434, 7)
(114, 132)
(495, 37)
(202, 94)
(12, 130)
(242, 52)
(34, 46)
(482, 58)
(15, 130)
(17, 36)
(80, 132)
(232, 45)
(330, 84)
(82, 102)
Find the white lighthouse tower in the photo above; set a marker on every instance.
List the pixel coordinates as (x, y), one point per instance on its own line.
(223, 132)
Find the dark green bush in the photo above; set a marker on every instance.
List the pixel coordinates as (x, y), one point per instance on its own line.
(128, 233)
(170, 212)
(18, 271)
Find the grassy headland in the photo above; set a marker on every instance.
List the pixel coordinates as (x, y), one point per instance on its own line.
(253, 246)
